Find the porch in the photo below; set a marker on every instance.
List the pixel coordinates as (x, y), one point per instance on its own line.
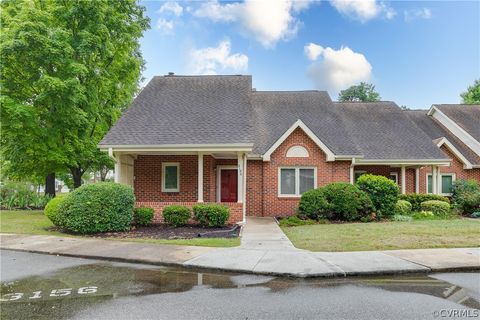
(186, 177)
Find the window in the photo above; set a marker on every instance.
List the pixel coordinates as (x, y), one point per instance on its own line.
(447, 183)
(297, 152)
(296, 180)
(357, 174)
(170, 177)
(394, 177)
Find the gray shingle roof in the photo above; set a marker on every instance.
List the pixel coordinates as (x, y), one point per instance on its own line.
(275, 112)
(225, 110)
(381, 130)
(437, 131)
(187, 110)
(466, 116)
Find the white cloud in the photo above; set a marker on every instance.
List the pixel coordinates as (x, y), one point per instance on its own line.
(313, 50)
(213, 60)
(337, 69)
(165, 26)
(423, 13)
(363, 10)
(171, 8)
(268, 21)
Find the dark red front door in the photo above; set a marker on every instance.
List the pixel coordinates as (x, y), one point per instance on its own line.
(228, 185)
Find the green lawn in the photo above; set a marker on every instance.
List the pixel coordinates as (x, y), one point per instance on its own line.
(386, 235)
(35, 222)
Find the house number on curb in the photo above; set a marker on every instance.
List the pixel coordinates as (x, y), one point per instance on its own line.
(53, 293)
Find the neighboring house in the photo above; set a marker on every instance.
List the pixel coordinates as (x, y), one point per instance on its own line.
(455, 129)
(191, 139)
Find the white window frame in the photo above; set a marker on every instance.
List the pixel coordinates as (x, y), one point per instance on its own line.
(170, 164)
(454, 177)
(297, 181)
(396, 176)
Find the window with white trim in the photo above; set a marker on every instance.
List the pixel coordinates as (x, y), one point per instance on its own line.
(394, 177)
(170, 177)
(447, 183)
(294, 181)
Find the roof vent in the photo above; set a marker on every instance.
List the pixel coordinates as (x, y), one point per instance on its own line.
(171, 73)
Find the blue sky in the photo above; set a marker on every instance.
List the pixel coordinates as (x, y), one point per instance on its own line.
(415, 53)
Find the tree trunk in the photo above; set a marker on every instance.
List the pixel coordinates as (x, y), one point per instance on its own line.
(77, 177)
(103, 173)
(50, 185)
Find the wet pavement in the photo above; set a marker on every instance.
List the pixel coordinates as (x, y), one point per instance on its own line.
(36, 286)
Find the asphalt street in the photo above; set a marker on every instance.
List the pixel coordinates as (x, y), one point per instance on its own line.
(36, 286)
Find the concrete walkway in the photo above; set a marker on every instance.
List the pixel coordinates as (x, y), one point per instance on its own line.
(264, 249)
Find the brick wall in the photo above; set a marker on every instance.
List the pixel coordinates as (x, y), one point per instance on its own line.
(236, 213)
(255, 188)
(456, 167)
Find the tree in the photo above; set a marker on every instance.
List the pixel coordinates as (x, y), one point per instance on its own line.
(472, 95)
(364, 92)
(69, 69)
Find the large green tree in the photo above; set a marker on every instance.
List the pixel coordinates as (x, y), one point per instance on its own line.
(472, 95)
(363, 92)
(69, 68)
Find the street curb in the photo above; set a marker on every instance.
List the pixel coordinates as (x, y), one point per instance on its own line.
(343, 274)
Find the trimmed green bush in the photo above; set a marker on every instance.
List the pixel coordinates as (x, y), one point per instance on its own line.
(51, 209)
(98, 207)
(438, 208)
(211, 215)
(143, 216)
(294, 221)
(176, 215)
(382, 191)
(403, 208)
(466, 196)
(336, 201)
(401, 218)
(314, 205)
(417, 198)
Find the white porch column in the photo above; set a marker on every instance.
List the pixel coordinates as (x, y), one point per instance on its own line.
(404, 187)
(244, 188)
(240, 175)
(352, 174)
(117, 170)
(434, 179)
(439, 181)
(417, 180)
(200, 177)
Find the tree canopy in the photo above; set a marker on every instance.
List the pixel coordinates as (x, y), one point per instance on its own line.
(69, 69)
(472, 95)
(363, 92)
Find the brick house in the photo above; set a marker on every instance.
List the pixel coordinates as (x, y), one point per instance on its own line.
(215, 139)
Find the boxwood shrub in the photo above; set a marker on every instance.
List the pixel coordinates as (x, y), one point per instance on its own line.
(98, 207)
(438, 208)
(336, 201)
(466, 196)
(382, 191)
(176, 215)
(51, 209)
(417, 198)
(403, 208)
(143, 216)
(211, 215)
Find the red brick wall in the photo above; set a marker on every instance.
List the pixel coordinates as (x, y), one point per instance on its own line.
(456, 167)
(255, 188)
(327, 172)
(236, 213)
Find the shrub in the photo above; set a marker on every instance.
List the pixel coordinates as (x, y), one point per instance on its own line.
(423, 215)
(18, 195)
(466, 196)
(475, 215)
(382, 191)
(314, 205)
(401, 218)
(51, 209)
(143, 216)
(403, 208)
(176, 215)
(98, 207)
(417, 198)
(211, 215)
(438, 208)
(295, 221)
(345, 202)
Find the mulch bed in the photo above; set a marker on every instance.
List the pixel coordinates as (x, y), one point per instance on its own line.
(162, 231)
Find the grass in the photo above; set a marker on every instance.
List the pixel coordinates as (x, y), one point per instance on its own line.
(386, 235)
(35, 222)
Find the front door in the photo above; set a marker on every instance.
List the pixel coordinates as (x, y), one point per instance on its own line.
(228, 185)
